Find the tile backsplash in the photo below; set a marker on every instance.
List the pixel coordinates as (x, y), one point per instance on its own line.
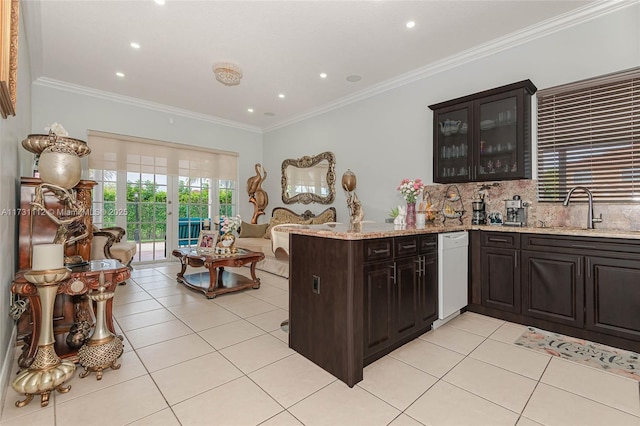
(615, 216)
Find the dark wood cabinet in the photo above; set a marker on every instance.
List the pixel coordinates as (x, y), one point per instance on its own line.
(613, 296)
(500, 271)
(553, 287)
(428, 290)
(500, 279)
(372, 296)
(484, 136)
(378, 307)
(391, 293)
(586, 287)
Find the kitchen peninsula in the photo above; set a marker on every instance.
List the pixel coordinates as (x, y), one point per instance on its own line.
(356, 296)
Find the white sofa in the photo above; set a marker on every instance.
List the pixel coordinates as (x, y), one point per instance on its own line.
(274, 261)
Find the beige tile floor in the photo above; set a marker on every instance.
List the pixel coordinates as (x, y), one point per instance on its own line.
(193, 361)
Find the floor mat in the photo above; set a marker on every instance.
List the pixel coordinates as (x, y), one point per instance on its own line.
(612, 360)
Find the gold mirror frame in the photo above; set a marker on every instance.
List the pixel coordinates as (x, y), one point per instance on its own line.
(8, 56)
(306, 162)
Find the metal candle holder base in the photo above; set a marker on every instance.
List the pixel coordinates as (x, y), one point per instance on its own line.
(103, 348)
(47, 372)
(99, 355)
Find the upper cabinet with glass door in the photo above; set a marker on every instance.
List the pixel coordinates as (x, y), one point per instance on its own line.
(484, 136)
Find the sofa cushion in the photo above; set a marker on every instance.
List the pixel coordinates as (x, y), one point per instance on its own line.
(250, 230)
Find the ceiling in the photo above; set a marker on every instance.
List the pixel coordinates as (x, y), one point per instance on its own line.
(281, 47)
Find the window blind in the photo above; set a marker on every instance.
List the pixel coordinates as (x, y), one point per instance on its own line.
(589, 135)
(132, 154)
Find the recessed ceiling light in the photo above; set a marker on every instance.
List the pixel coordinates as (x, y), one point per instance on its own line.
(120, 74)
(135, 45)
(281, 95)
(411, 24)
(269, 114)
(354, 78)
(323, 75)
(249, 109)
(160, 2)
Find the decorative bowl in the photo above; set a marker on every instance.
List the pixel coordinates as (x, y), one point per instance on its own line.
(38, 143)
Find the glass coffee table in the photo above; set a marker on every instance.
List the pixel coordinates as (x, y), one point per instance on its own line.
(216, 280)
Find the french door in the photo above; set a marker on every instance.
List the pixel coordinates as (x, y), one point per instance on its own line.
(159, 212)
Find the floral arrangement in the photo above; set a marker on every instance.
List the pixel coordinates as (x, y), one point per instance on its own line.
(410, 189)
(229, 224)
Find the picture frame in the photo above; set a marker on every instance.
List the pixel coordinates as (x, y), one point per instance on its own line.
(207, 241)
(9, 10)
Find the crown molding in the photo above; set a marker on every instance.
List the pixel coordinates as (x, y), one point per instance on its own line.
(545, 28)
(95, 93)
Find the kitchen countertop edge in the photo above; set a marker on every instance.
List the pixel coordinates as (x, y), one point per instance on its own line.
(378, 230)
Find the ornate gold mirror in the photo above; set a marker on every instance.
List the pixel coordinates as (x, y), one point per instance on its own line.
(309, 179)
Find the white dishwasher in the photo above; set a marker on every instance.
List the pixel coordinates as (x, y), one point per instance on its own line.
(452, 273)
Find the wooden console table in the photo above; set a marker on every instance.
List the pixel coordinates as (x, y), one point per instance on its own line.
(217, 280)
(78, 284)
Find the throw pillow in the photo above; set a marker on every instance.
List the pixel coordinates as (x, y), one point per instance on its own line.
(267, 232)
(252, 230)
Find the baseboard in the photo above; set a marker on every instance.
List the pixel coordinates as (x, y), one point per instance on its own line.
(5, 373)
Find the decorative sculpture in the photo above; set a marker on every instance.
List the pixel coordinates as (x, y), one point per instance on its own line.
(71, 227)
(257, 196)
(354, 204)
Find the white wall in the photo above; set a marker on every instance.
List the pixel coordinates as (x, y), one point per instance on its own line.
(388, 137)
(79, 112)
(12, 131)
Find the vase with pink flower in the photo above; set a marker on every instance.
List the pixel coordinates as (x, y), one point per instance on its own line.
(410, 189)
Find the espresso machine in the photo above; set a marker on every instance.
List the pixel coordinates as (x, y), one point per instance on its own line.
(516, 212)
(479, 216)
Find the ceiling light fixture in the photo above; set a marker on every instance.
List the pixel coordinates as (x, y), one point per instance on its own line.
(354, 78)
(159, 2)
(411, 24)
(120, 74)
(250, 110)
(323, 75)
(135, 45)
(281, 95)
(227, 73)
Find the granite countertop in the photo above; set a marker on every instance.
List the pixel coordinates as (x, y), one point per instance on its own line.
(382, 230)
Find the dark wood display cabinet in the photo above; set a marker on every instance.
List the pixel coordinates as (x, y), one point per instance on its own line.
(484, 136)
(587, 287)
(354, 301)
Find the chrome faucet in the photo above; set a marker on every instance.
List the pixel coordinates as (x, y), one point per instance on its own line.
(590, 219)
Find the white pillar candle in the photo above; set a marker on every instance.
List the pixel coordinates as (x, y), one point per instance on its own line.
(47, 256)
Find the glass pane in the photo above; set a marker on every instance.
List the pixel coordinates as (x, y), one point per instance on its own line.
(453, 143)
(498, 137)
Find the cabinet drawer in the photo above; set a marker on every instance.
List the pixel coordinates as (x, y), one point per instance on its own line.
(406, 246)
(381, 249)
(428, 243)
(612, 247)
(500, 239)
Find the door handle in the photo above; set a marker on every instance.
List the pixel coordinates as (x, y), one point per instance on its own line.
(385, 251)
(393, 275)
(408, 246)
